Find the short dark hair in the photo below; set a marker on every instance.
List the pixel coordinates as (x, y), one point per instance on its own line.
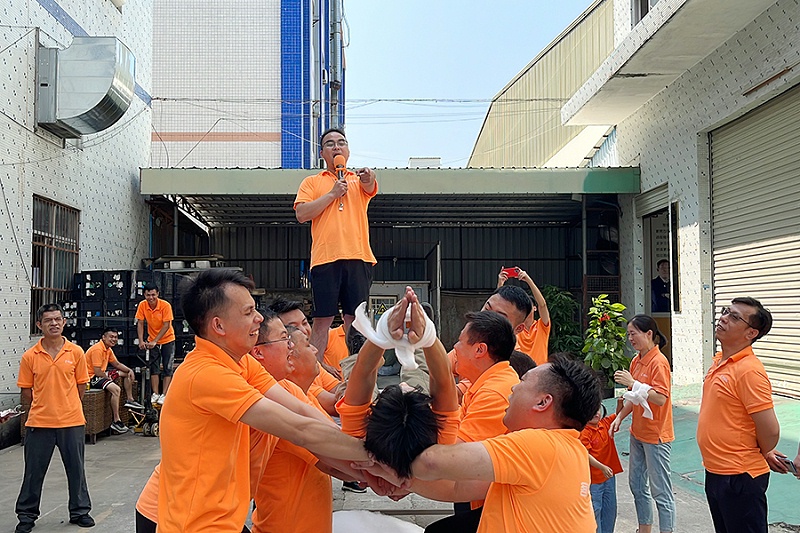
(516, 296)
(428, 308)
(150, 286)
(401, 426)
(47, 308)
(494, 330)
(521, 362)
(204, 294)
(575, 390)
(645, 323)
(661, 262)
(107, 329)
(761, 319)
(263, 329)
(340, 131)
(355, 340)
(281, 305)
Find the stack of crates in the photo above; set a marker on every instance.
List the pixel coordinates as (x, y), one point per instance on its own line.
(110, 298)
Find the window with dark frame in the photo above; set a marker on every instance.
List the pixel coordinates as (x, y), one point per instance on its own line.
(641, 8)
(56, 228)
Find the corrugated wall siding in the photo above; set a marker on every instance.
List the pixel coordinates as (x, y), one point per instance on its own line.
(277, 256)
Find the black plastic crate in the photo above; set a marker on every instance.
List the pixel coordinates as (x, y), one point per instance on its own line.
(183, 345)
(90, 309)
(88, 336)
(182, 328)
(115, 308)
(71, 333)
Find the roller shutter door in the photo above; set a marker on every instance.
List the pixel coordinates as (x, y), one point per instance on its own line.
(755, 198)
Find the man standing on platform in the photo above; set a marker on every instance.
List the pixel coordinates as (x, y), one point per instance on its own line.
(336, 201)
(160, 338)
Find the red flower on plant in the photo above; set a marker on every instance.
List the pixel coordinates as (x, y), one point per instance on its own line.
(604, 318)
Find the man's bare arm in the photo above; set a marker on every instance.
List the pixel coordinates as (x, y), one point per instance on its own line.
(278, 394)
(361, 384)
(317, 437)
(448, 462)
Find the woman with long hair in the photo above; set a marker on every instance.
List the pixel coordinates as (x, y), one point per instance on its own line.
(650, 383)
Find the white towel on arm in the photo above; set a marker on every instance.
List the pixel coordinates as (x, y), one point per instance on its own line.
(381, 337)
(638, 396)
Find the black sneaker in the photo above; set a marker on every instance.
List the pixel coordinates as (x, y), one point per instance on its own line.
(83, 520)
(353, 486)
(24, 527)
(119, 428)
(130, 404)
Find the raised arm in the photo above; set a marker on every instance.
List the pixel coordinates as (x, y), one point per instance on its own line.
(541, 303)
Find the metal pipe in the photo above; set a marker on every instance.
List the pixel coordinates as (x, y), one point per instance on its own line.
(584, 236)
(175, 232)
(335, 73)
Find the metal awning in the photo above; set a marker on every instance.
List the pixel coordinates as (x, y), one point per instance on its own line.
(674, 36)
(247, 197)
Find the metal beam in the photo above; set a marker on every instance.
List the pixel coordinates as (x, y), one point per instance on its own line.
(451, 181)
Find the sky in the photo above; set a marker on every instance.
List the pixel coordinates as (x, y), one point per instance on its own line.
(435, 50)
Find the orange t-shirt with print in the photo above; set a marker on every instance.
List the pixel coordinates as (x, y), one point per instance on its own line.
(541, 483)
(201, 434)
(54, 383)
(291, 481)
(336, 350)
(534, 342)
(338, 234)
(653, 368)
(601, 446)
(733, 390)
(156, 318)
(99, 355)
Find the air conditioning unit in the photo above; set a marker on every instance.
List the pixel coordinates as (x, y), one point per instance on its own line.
(84, 88)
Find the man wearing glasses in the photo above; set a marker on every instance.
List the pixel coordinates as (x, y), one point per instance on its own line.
(737, 426)
(53, 377)
(336, 201)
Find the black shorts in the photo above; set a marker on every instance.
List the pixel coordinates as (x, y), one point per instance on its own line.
(99, 382)
(346, 281)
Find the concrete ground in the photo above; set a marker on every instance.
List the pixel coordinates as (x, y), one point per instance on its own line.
(117, 468)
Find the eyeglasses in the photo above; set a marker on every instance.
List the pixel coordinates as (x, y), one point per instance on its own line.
(286, 339)
(726, 311)
(341, 143)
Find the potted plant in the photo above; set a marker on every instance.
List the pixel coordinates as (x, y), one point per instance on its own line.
(565, 332)
(605, 341)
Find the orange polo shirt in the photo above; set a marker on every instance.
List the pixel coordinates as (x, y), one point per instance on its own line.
(600, 445)
(336, 350)
(147, 504)
(99, 355)
(204, 482)
(485, 403)
(354, 421)
(326, 380)
(338, 234)
(534, 341)
(653, 368)
(54, 383)
(289, 483)
(541, 483)
(484, 406)
(155, 319)
(733, 390)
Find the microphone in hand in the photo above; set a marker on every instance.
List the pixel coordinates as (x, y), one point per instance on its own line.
(340, 164)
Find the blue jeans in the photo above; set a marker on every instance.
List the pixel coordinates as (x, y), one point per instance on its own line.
(604, 503)
(649, 471)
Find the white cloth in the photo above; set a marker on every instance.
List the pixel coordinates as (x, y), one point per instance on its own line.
(638, 396)
(350, 521)
(381, 337)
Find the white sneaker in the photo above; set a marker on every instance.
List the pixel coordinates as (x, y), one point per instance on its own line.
(154, 398)
(161, 399)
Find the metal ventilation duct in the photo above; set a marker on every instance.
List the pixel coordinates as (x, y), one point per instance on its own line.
(85, 88)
